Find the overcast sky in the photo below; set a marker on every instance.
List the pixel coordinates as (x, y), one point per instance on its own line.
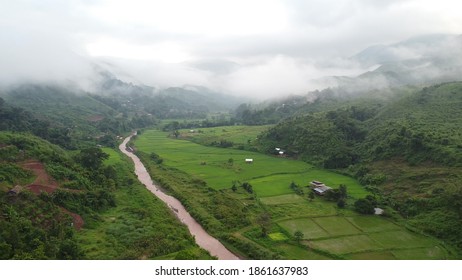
(245, 47)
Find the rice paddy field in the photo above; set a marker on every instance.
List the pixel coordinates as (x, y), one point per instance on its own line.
(328, 232)
(269, 175)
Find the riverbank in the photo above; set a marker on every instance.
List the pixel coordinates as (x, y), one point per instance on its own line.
(202, 238)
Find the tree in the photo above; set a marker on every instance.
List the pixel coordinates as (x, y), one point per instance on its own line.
(247, 187)
(365, 205)
(342, 191)
(311, 195)
(341, 203)
(298, 236)
(92, 158)
(264, 221)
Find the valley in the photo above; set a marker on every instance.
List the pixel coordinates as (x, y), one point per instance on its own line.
(300, 176)
(327, 231)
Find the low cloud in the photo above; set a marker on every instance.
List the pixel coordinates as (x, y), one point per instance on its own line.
(263, 49)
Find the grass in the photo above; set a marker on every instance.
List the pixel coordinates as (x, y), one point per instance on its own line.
(336, 225)
(328, 230)
(293, 252)
(139, 227)
(239, 135)
(114, 156)
(428, 253)
(346, 244)
(282, 199)
(401, 239)
(307, 226)
(278, 236)
(268, 175)
(363, 237)
(372, 223)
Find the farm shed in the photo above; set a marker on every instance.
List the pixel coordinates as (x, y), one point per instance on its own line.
(14, 191)
(322, 189)
(319, 187)
(378, 211)
(249, 160)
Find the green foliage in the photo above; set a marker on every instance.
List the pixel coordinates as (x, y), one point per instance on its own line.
(92, 158)
(365, 205)
(33, 228)
(12, 173)
(247, 187)
(156, 158)
(298, 235)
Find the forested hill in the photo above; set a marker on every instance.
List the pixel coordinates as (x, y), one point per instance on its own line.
(407, 150)
(423, 126)
(172, 102)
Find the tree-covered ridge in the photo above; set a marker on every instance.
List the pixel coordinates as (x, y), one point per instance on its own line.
(421, 126)
(407, 150)
(66, 117)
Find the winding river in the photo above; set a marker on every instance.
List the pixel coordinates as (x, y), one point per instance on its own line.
(203, 239)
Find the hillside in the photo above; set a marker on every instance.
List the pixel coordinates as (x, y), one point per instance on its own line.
(85, 205)
(408, 149)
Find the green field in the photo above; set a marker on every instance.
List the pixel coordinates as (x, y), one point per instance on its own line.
(364, 237)
(269, 175)
(239, 134)
(114, 156)
(328, 231)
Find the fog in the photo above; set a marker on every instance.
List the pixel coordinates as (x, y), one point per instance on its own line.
(261, 49)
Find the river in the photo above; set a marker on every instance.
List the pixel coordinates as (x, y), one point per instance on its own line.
(203, 239)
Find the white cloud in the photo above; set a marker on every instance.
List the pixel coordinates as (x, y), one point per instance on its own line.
(265, 47)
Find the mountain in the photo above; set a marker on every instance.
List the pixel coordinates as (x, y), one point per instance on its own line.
(424, 60)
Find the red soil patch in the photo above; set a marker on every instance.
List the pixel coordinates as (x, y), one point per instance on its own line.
(77, 219)
(45, 183)
(37, 189)
(42, 179)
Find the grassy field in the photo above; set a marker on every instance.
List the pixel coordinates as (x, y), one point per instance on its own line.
(240, 135)
(328, 231)
(269, 175)
(364, 237)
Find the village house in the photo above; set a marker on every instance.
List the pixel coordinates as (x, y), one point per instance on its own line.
(319, 188)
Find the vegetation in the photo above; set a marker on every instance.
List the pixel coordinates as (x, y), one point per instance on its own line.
(240, 218)
(407, 149)
(398, 149)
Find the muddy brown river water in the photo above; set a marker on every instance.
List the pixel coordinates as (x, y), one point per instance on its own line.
(203, 239)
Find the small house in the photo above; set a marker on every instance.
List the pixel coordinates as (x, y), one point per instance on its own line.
(16, 190)
(378, 211)
(319, 187)
(249, 160)
(316, 184)
(322, 189)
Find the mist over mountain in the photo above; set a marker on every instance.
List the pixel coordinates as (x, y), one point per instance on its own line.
(423, 60)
